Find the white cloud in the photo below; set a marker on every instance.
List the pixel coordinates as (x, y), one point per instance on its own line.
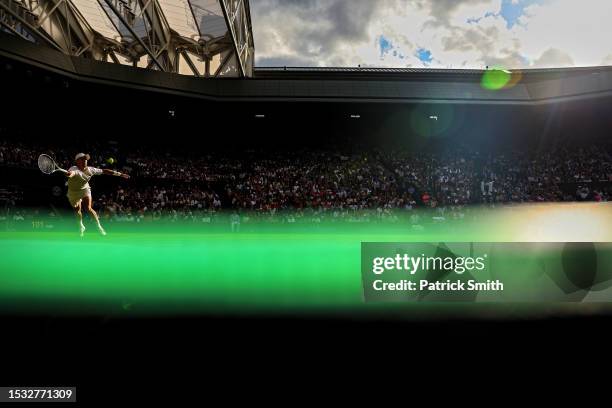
(458, 33)
(554, 57)
(468, 10)
(582, 30)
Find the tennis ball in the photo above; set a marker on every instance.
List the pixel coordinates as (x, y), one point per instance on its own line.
(110, 160)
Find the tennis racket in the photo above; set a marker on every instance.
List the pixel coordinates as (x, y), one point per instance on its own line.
(47, 165)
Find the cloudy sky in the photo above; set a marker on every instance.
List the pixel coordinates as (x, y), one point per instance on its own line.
(433, 33)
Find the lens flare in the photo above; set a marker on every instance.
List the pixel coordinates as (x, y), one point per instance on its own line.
(499, 78)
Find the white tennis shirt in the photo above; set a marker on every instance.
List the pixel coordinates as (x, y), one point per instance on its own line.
(80, 179)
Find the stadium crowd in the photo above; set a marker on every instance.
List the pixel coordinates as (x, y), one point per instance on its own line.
(336, 184)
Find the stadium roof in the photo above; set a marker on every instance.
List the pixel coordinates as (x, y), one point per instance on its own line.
(209, 38)
(454, 75)
(351, 85)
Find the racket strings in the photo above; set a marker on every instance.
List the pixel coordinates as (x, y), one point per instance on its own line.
(46, 164)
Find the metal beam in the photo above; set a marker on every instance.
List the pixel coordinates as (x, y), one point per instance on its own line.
(112, 55)
(79, 26)
(190, 63)
(230, 24)
(144, 30)
(223, 63)
(194, 18)
(48, 14)
(134, 35)
(39, 34)
(159, 32)
(13, 30)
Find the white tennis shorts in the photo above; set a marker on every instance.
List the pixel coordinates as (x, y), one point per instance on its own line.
(75, 197)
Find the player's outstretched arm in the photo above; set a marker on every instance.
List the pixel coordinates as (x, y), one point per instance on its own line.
(109, 172)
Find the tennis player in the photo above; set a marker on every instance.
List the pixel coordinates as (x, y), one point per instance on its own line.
(79, 190)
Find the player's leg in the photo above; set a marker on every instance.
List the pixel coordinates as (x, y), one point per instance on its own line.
(87, 201)
(79, 215)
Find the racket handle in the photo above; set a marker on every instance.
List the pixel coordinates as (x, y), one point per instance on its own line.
(63, 171)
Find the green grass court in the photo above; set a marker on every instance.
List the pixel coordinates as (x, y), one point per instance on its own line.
(280, 269)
